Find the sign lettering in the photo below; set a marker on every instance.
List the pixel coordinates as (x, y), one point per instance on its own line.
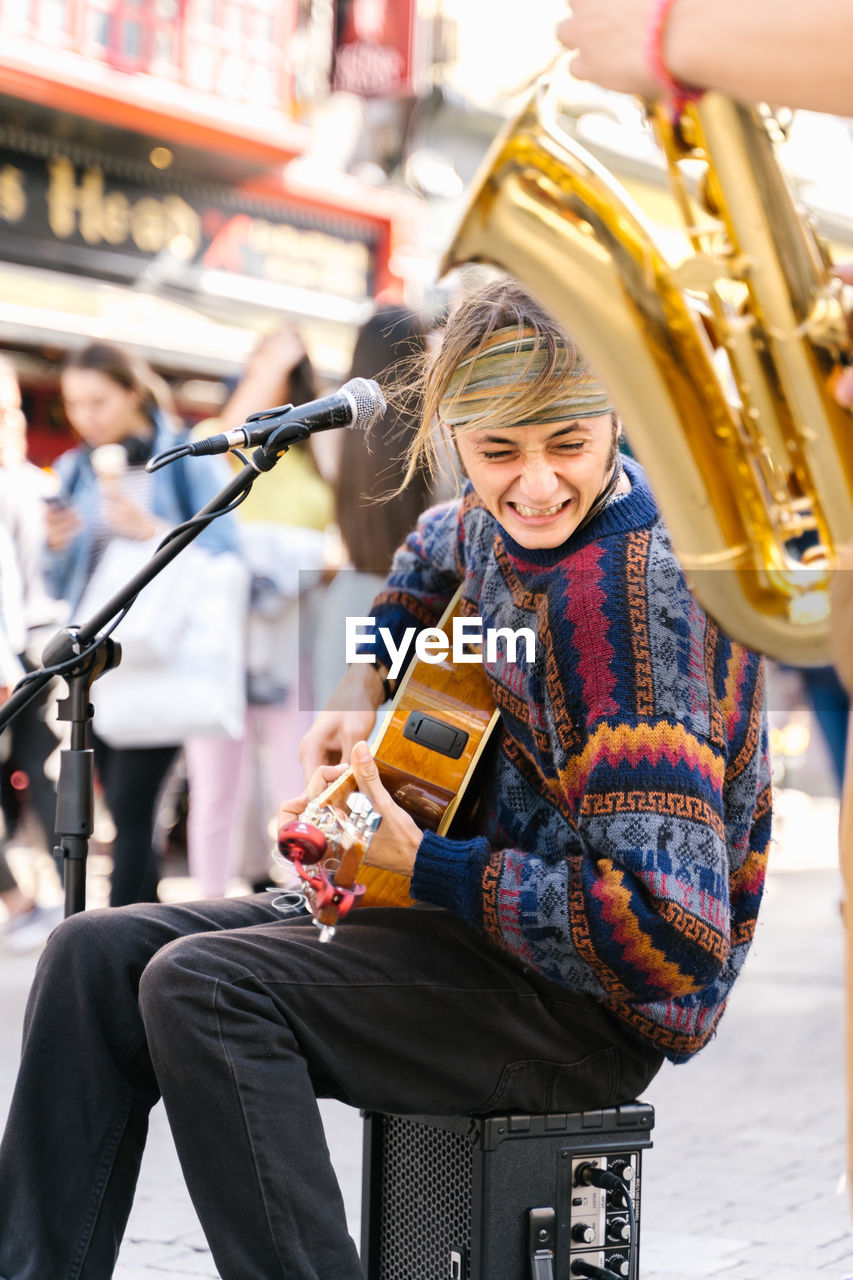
(59, 213)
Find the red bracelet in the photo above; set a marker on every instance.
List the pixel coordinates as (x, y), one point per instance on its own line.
(678, 92)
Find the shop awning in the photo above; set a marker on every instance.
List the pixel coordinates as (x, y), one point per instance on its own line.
(211, 338)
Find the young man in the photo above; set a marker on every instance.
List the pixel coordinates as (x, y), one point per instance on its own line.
(592, 924)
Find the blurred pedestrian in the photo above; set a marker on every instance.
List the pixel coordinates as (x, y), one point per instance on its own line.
(371, 467)
(30, 764)
(113, 399)
(236, 784)
(28, 923)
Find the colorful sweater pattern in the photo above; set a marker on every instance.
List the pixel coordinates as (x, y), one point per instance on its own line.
(623, 830)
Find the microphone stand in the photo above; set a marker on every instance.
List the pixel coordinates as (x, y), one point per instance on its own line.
(80, 655)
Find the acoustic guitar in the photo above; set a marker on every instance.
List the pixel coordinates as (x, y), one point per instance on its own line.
(427, 750)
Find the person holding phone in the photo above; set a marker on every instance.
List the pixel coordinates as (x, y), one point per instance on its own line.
(119, 409)
(29, 748)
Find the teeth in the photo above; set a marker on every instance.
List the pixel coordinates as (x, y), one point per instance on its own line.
(537, 511)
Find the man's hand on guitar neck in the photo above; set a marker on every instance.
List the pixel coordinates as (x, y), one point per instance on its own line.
(396, 843)
(348, 719)
(291, 809)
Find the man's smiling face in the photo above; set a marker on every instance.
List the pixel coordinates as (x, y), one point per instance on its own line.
(539, 480)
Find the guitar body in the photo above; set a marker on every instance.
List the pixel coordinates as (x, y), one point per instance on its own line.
(427, 751)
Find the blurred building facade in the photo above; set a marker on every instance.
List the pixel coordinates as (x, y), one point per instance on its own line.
(161, 184)
(182, 176)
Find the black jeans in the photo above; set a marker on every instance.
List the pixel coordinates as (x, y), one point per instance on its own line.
(132, 778)
(241, 1019)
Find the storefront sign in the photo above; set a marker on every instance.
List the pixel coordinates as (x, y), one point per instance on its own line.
(373, 47)
(83, 219)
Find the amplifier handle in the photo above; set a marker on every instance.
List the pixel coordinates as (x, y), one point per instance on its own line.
(541, 1232)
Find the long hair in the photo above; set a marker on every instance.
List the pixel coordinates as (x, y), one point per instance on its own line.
(373, 465)
(128, 371)
(302, 382)
(298, 385)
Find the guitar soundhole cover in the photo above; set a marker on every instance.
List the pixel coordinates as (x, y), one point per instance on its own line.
(435, 734)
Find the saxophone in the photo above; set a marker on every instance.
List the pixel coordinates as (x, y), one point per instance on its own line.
(721, 367)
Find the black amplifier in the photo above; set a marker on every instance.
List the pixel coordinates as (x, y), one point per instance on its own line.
(504, 1197)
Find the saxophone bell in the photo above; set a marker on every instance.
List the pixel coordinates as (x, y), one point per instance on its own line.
(721, 366)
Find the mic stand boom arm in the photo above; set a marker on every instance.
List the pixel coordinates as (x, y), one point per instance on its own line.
(80, 654)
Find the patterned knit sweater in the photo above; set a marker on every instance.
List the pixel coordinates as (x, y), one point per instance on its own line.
(624, 827)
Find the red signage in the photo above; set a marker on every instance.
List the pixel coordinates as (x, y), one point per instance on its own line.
(373, 47)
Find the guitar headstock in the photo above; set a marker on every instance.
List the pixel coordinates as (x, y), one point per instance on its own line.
(326, 845)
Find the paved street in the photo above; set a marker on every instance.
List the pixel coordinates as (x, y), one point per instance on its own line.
(745, 1178)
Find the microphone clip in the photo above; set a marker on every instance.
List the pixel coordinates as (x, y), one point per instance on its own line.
(274, 432)
(278, 442)
(261, 417)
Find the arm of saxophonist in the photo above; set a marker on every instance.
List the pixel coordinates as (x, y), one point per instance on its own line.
(753, 52)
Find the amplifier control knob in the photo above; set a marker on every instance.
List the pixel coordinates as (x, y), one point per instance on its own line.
(617, 1264)
(618, 1229)
(621, 1167)
(583, 1232)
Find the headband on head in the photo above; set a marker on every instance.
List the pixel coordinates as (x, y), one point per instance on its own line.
(510, 361)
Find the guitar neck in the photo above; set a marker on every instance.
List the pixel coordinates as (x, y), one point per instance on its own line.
(432, 737)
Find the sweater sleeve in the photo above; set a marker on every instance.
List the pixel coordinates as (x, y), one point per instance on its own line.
(661, 871)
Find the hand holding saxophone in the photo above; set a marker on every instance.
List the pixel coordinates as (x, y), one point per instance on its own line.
(609, 43)
(752, 52)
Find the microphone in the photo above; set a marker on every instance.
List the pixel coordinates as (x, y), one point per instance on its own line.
(359, 403)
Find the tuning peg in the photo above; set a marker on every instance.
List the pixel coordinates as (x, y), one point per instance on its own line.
(363, 816)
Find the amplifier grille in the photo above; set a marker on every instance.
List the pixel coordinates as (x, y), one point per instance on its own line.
(426, 1196)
